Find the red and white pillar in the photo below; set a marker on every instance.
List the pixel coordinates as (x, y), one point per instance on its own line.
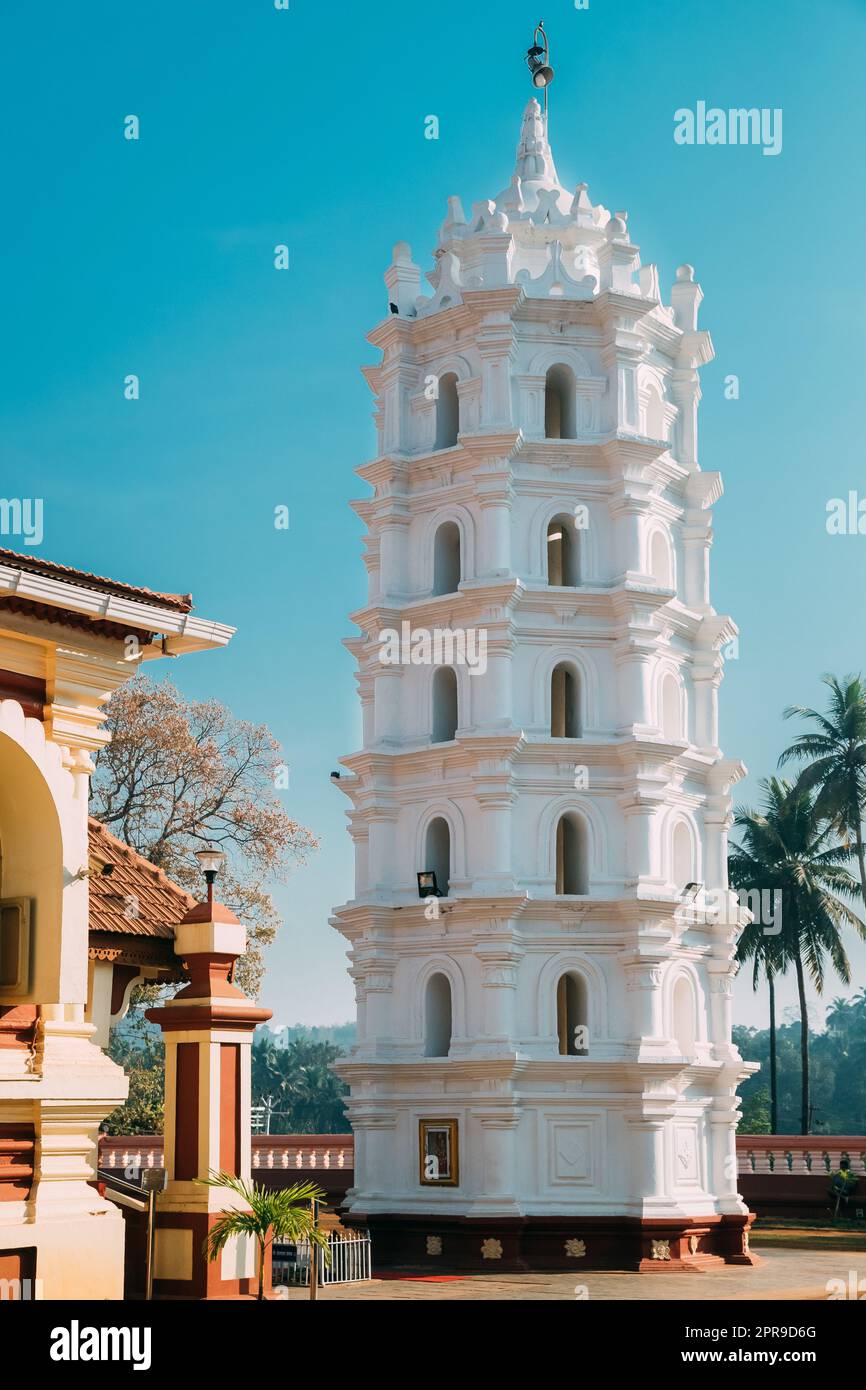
(208, 1029)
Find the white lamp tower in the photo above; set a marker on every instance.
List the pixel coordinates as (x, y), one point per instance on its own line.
(544, 1075)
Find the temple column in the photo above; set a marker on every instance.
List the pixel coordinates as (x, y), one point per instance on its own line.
(208, 1029)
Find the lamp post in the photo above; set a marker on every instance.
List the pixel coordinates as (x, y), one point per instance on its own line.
(314, 1254)
(538, 62)
(211, 861)
(208, 1028)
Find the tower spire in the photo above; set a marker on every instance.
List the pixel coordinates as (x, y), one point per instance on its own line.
(534, 156)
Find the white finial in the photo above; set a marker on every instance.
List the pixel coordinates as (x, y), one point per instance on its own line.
(534, 155)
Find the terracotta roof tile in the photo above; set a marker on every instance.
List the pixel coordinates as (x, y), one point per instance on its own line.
(137, 899)
(35, 565)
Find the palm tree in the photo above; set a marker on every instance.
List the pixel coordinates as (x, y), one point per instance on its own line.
(788, 848)
(766, 953)
(749, 869)
(308, 1096)
(269, 1214)
(838, 770)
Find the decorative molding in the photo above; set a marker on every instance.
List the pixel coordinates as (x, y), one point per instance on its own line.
(491, 1249)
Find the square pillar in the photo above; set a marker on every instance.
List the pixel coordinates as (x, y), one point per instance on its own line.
(208, 1030)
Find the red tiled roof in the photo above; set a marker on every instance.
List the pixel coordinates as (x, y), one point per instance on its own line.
(134, 884)
(35, 565)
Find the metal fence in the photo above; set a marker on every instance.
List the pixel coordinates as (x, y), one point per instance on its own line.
(349, 1262)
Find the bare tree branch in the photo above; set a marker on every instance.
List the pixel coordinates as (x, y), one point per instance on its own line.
(181, 772)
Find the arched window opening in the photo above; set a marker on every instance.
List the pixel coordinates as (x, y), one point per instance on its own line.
(564, 703)
(437, 853)
(661, 567)
(682, 858)
(684, 1016)
(437, 1017)
(571, 855)
(444, 704)
(560, 404)
(447, 412)
(446, 558)
(671, 708)
(572, 1018)
(563, 553)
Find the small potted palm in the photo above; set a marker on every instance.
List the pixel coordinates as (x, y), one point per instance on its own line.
(843, 1185)
(269, 1214)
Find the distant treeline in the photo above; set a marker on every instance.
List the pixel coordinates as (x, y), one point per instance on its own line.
(837, 1063)
(342, 1035)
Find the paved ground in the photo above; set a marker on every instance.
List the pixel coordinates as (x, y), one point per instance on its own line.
(782, 1274)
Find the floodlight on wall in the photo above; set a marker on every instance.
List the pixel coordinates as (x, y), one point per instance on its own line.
(105, 867)
(427, 885)
(691, 891)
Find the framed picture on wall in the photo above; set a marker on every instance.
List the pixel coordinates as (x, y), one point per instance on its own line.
(439, 1164)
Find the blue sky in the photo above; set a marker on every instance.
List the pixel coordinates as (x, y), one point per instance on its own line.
(306, 127)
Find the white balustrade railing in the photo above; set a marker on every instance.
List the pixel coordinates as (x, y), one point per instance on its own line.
(150, 1157)
(278, 1155)
(805, 1156)
(301, 1158)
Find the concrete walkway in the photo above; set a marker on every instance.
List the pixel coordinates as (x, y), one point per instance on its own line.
(782, 1274)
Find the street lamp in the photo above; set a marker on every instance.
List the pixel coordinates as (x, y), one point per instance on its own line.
(211, 860)
(538, 62)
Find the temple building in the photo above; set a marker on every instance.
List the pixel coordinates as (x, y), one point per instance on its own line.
(544, 1075)
(66, 638)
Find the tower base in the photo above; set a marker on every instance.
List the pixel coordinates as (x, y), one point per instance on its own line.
(428, 1244)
